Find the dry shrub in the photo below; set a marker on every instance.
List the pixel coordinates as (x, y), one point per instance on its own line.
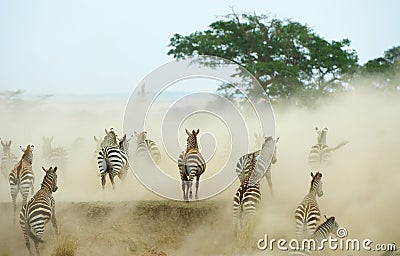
(66, 246)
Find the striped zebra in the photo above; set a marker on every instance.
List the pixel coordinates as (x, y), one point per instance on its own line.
(243, 164)
(145, 145)
(307, 214)
(53, 156)
(191, 164)
(8, 160)
(330, 226)
(320, 153)
(21, 178)
(248, 196)
(113, 160)
(39, 211)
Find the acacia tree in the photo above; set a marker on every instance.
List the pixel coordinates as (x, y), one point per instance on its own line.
(286, 57)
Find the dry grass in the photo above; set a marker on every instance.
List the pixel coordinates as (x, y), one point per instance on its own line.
(66, 246)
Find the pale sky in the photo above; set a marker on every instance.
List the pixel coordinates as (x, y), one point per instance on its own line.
(97, 47)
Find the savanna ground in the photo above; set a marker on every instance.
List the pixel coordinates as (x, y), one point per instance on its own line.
(360, 185)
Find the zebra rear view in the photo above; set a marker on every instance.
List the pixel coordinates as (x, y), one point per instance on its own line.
(191, 164)
(39, 211)
(8, 160)
(146, 147)
(307, 214)
(21, 178)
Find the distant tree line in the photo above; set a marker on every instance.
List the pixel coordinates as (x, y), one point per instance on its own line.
(288, 58)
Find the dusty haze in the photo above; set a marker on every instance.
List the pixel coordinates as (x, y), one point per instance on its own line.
(360, 186)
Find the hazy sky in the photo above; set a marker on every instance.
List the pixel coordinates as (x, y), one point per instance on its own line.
(90, 47)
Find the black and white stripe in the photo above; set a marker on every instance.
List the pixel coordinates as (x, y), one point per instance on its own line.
(39, 211)
(8, 159)
(243, 164)
(248, 196)
(109, 140)
(307, 214)
(191, 164)
(146, 146)
(21, 178)
(113, 161)
(53, 156)
(320, 153)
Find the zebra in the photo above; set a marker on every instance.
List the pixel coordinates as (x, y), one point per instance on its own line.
(8, 160)
(145, 145)
(307, 214)
(191, 163)
(248, 195)
(113, 161)
(330, 226)
(242, 166)
(53, 156)
(40, 210)
(320, 153)
(21, 178)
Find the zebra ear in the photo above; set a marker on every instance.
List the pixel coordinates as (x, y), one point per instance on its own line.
(32, 147)
(326, 217)
(21, 148)
(106, 131)
(276, 140)
(312, 175)
(198, 130)
(9, 143)
(55, 168)
(44, 169)
(136, 134)
(187, 132)
(3, 144)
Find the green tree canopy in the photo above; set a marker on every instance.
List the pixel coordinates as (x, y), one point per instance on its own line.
(288, 58)
(384, 72)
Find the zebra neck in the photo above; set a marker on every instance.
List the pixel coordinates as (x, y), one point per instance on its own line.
(314, 187)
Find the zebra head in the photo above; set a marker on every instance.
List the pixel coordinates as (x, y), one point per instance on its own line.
(98, 142)
(50, 179)
(123, 144)
(316, 184)
(27, 155)
(274, 159)
(321, 135)
(141, 137)
(191, 141)
(6, 147)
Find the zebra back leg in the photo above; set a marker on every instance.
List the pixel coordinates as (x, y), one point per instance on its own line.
(24, 226)
(197, 187)
(14, 189)
(54, 222)
(184, 183)
(111, 176)
(269, 181)
(190, 182)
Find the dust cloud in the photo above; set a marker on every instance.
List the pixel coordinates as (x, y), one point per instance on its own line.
(360, 184)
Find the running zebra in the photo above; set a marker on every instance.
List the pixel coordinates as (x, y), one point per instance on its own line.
(248, 196)
(145, 145)
(113, 161)
(39, 211)
(243, 164)
(320, 153)
(8, 160)
(53, 156)
(191, 164)
(330, 226)
(307, 214)
(21, 178)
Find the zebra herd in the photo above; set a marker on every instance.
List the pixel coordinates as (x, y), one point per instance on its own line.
(112, 160)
